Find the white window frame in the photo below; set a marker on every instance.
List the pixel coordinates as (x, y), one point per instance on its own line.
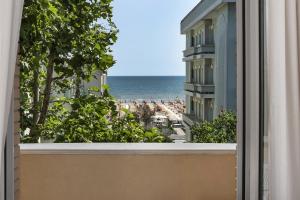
(249, 98)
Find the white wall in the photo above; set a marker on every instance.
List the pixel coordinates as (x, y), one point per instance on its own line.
(225, 59)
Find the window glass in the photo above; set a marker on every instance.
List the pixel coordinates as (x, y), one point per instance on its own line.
(102, 72)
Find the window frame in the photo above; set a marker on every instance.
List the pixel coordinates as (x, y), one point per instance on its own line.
(250, 98)
(262, 95)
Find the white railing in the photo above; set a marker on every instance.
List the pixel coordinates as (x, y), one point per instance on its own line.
(126, 148)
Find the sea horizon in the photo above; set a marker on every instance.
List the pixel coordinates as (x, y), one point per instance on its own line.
(145, 75)
(148, 87)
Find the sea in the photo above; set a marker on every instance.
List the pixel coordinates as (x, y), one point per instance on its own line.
(130, 88)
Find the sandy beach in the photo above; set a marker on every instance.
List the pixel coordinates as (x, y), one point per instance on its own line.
(170, 110)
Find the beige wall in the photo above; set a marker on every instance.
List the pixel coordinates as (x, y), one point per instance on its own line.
(128, 177)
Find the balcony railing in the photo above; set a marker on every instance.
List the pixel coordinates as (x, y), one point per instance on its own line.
(195, 87)
(189, 87)
(127, 171)
(203, 49)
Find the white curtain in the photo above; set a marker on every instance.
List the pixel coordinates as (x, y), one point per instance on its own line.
(10, 20)
(283, 59)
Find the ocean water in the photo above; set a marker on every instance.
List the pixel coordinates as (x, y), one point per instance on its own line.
(146, 87)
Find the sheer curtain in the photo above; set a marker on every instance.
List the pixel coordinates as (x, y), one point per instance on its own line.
(10, 19)
(283, 59)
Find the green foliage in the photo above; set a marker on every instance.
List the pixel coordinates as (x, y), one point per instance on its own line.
(93, 118)
(62, 44)
(221, 130)
(154, 136)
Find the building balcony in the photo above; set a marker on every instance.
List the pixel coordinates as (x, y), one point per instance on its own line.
(127, 171)
(198, 57)
(195, 87)
(189, 86)
(199, 95)
(203, 49)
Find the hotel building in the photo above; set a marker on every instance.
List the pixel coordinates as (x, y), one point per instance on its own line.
(210, 58)
(98, 80)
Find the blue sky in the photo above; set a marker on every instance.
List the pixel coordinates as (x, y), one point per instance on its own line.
(149, 40)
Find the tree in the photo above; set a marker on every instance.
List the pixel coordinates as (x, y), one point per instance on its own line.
(63, 43)
(94, 119)
(144, 113)
(221, 130)
(153, 135)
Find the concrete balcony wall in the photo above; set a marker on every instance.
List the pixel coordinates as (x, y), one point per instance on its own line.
(189, 87)
(204, 88)
(128, 171)
(198, 57)
(199, 88)
(203, 49)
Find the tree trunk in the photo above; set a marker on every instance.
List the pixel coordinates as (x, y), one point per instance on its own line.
(35, 90)
(78, 85)
(47, 92)
(35, 106)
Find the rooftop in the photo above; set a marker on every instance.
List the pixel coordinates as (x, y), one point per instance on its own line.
(199, 12)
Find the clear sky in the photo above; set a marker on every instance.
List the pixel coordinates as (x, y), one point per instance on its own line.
(149, 41)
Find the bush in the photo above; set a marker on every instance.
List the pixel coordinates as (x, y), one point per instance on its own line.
(92, 118)
(221, 130)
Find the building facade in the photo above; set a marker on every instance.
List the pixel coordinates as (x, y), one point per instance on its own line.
(98, 80)
(210, 58)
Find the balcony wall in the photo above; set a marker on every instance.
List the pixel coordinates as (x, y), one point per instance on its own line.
(194, 87)
(203, 49)
(128, 171)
